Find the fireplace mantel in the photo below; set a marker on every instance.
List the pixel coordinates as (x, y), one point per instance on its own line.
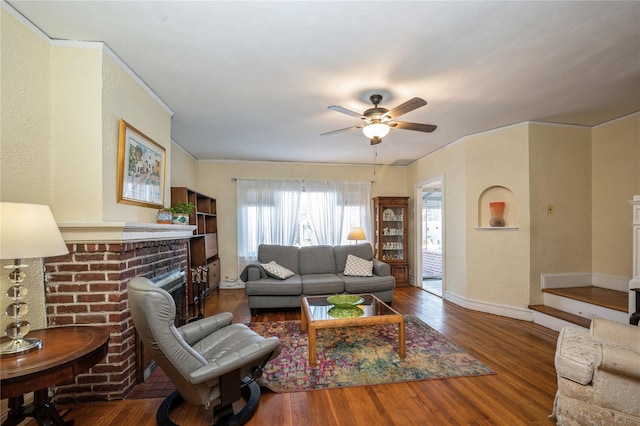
(116, 232)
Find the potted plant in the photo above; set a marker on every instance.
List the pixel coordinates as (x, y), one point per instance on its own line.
(181, 211)
(164, 215)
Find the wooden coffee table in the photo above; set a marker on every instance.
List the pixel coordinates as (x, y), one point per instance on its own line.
(315, 315)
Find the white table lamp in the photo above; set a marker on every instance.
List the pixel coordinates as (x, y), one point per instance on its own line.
(26, 231)
(356, 233)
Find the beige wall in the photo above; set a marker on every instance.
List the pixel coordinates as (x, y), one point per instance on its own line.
(123, 97)
(616, 179)
(76, 138)
(24, 127)
(60, 107)
(449, 163)
(214, 178)
(183, 166)
(560, 175)
(25, 142)
(498, 260)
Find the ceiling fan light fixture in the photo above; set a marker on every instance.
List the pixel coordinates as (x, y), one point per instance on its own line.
(375, 130)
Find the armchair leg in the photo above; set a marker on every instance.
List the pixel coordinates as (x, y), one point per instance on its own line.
(251, 395)
(169, 403)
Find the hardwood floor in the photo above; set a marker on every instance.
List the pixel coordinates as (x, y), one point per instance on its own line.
(520, 393)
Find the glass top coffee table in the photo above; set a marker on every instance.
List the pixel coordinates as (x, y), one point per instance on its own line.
(318, 313)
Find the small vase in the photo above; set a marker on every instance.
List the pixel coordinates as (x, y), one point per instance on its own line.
(497, 214)
(164, 216)
(180, 219)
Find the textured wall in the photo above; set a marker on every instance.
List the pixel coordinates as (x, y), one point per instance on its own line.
(498, 261)
(25, 148)
(616, 179)
(183, 167)
(560, 173)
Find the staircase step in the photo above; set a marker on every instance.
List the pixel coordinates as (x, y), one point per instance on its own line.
(565, 316)
(611, 299)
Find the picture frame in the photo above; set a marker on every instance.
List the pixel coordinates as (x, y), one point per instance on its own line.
(141, 168)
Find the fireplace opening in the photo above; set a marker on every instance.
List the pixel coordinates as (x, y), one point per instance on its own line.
(173, 282)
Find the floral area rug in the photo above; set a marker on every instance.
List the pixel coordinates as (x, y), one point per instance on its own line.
(358, 356)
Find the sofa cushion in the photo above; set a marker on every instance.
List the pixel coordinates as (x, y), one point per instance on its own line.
(286, 256)
(363, 251)
(292, 286)
(374, 284)
(358, 267)
(321, 284)
(317, 260)
(274, 270)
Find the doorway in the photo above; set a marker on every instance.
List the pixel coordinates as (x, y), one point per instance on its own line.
(430, 271)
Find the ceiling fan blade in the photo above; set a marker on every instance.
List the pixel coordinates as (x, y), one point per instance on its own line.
(342, 130)
(346, 111)
(406, 107)
(418, 127)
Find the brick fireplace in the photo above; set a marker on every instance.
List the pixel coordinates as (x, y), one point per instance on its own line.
(89, 287)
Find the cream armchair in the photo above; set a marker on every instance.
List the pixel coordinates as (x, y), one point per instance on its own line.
(598, 375)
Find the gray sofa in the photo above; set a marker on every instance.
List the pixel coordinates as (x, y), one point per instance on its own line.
(319, 270)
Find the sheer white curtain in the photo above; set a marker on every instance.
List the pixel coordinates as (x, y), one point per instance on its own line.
(295, 212)
(334, 207)
(268, 212)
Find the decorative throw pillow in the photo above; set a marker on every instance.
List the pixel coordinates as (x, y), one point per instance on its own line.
(357, 267)
(276, 271)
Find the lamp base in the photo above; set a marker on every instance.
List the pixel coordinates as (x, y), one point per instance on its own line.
(11, 347)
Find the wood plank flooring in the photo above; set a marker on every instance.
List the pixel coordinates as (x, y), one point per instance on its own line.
(617, 300)
(521, 393)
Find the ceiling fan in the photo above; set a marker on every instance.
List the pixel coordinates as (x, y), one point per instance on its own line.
(377, 121)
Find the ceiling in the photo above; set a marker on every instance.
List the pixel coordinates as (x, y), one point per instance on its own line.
(253, 80)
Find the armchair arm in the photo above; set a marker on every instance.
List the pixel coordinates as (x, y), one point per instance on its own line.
(621, 361)
(194, 331)
(616, 332)
(381, 268)
(233, 361)
(576, 355)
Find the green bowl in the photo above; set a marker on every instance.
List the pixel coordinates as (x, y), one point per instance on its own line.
(345, 300)
(348, 312)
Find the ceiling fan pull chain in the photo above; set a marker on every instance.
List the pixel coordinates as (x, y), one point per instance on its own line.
(375, 154)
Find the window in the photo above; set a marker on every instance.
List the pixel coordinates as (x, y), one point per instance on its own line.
(299, 213)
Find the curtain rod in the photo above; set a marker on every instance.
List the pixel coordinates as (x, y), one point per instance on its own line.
(234, 180)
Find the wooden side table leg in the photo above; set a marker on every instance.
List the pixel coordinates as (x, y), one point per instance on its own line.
(44, 412)
(401, 345)
(16, 411)
(312, 346)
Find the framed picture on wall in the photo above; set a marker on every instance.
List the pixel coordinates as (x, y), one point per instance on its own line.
(141, 168)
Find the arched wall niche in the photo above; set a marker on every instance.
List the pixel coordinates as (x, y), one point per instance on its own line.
(493, 194)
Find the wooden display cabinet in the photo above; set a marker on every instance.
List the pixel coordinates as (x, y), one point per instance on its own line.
(204, 262)
(391, 238)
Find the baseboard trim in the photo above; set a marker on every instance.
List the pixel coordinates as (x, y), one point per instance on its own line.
(490, 308)
(584, 279)
(564, 280)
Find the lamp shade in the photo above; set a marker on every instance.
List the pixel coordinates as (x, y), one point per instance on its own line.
(29, 230)
(375, 130)
(356, 233)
